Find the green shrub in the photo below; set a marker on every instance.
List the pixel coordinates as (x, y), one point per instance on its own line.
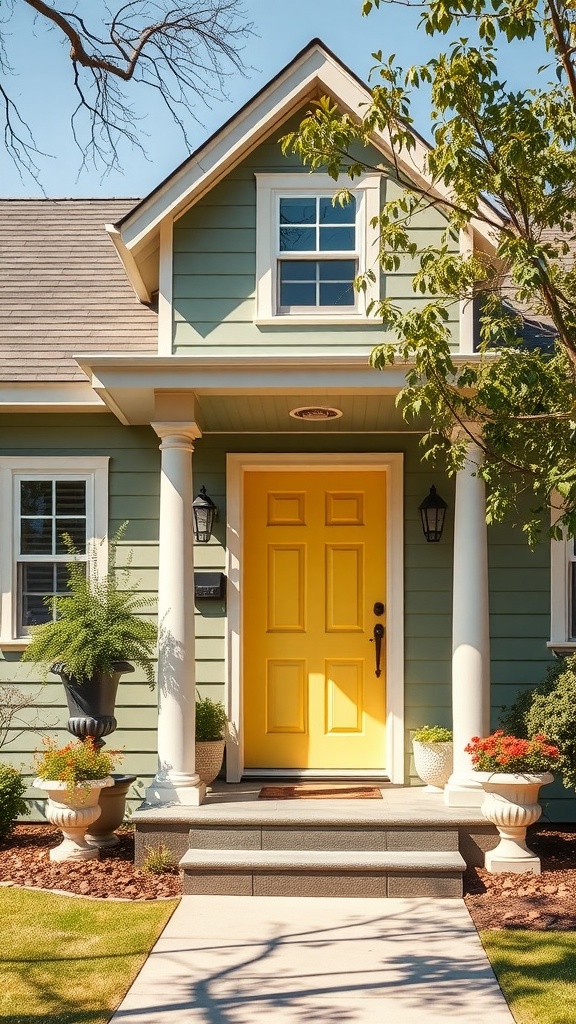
(12, 787)
(210, 719)
(550, 709)
(432, 734)
(159, 861)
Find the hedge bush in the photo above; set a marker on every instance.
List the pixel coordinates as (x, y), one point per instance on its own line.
(550, 709)
(12, 787)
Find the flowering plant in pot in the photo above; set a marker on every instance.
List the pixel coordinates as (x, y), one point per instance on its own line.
(433, 756)
(211, 723)
(511, 771)
(73, 777)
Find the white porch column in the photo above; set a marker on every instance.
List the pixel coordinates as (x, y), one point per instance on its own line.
(176, 780)
(470, 630)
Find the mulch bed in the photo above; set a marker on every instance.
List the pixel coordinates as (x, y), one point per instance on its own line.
(534, 902)
(24, 860)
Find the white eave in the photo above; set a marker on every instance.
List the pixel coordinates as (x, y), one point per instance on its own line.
(313, 73)
(45, 396)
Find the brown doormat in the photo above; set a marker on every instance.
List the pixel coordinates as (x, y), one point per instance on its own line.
(320, 793)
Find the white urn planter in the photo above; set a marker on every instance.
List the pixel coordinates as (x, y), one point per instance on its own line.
(511, 803)
(209, 757)
(433, 763)
(73, 811)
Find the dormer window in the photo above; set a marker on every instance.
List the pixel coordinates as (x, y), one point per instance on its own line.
(311, 248)
(314, 235)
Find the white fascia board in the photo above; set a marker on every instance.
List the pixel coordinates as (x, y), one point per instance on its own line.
(227, 148)
(18, 397)
(129, 264)
(314, 74)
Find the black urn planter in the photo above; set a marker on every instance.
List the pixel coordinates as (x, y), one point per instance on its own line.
(91, 703)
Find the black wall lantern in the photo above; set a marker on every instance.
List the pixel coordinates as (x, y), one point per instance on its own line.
(432, 513)
(204, 512)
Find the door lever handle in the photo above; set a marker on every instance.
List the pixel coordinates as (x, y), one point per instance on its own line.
(377, 639)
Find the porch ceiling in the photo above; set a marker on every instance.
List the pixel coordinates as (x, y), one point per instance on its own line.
(249, 393)
(271, 414)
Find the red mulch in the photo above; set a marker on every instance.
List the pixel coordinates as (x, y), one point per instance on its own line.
(24, 860)
(534, 902)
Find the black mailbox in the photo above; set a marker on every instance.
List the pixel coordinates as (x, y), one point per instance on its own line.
(210, 585)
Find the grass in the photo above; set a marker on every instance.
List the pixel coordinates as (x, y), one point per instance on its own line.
(536, 972)
(67, 960)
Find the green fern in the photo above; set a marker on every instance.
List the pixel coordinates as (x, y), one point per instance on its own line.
(97, 622)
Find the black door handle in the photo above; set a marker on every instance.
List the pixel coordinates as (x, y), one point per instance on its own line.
(378, 637)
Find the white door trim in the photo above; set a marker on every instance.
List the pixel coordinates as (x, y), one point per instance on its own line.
(392, 465)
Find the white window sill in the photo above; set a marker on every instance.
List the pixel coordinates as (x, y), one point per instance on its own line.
(12, 644)
(319, 321)
(562, 646)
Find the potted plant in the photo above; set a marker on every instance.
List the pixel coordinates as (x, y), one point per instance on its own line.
(511, 771)
(95, 636)
(73, 777)
(210, 729)
(433, 756)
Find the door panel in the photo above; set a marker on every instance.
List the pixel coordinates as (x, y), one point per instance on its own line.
(314, 558)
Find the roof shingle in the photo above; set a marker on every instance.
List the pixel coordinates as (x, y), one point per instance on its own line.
(63, 289)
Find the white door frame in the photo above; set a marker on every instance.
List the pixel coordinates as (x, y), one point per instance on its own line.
(392, 465)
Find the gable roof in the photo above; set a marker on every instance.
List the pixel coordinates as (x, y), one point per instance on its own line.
(314, 72)
(62, 287)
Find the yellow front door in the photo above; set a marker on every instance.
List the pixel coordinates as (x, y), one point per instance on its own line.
(314, 569)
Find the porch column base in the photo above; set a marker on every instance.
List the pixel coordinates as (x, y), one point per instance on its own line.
(463, 793)
(188, 791)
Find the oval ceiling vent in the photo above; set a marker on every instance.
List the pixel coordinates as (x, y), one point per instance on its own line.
(315, 413)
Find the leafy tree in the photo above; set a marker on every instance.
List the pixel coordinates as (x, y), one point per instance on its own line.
(182, 49)
(507, 160)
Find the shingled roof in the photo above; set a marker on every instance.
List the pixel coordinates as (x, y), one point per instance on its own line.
(63, 289)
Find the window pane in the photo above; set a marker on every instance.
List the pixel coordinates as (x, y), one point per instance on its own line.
(573, 600)
(294, 294)
(36, 497)
(330, 214)
(298, 211)
(37, 581)
(298, 270)
(337, 239)
(297, 239)
(36, 536)
(70, 498)
(37, 577)
(76, 529)
(337, 270)
(336, 294)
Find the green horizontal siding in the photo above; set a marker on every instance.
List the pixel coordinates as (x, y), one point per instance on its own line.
(519, 585)
(215, 265)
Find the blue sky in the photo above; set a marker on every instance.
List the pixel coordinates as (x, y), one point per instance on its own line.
(43, 87)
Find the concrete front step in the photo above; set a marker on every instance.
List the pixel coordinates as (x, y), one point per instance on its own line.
(318, 835)
(322, 873)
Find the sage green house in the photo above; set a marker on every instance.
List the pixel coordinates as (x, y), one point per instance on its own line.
(208, 336)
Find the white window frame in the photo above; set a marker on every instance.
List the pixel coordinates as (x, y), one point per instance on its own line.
(94, 471)
(562, 565)
(270, 188)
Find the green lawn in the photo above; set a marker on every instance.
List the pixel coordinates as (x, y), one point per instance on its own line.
(67, 960)
(536, 972)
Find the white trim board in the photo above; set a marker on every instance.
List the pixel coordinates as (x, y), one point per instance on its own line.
(392, 464)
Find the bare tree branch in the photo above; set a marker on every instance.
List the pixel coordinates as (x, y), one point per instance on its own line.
(184, 51)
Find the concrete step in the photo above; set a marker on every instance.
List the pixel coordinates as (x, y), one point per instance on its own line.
(315, 835)
(322, 873)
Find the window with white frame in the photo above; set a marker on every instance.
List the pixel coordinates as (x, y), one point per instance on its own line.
(309, 248)
(43, 501)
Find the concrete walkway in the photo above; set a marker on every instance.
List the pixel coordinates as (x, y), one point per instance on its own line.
(246, 960)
